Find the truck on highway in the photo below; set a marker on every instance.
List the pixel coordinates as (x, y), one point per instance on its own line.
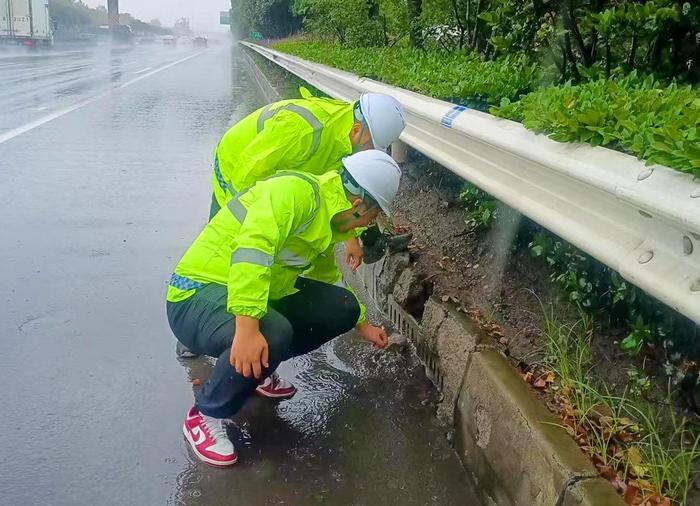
(25, 22)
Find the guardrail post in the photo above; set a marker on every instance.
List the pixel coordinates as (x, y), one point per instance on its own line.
(399, 152)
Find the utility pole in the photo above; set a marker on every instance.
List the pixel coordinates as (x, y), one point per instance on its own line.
(113, 13)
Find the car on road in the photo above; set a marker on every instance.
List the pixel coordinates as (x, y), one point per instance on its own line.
(122, 33)
(199, 41)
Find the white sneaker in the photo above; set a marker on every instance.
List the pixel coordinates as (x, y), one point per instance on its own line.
(274, 386)
(208, 439)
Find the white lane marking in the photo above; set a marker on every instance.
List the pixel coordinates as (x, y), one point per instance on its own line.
(11, 134)
(143, 70)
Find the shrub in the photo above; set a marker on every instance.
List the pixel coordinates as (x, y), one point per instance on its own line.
(658, 123)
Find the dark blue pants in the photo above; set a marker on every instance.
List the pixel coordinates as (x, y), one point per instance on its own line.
(293, 326)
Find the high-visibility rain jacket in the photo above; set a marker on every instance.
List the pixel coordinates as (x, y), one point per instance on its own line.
(309, 135)
(263, 239)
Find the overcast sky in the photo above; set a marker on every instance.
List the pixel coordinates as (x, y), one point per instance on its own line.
(203, 14)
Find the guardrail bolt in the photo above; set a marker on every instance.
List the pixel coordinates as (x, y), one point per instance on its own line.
(645, 174)
(646, 256)
(687, 245)
(695, 285)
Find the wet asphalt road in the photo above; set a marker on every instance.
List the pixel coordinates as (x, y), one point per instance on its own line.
(104, 181)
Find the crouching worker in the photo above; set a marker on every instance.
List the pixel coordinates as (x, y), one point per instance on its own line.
(238, 292)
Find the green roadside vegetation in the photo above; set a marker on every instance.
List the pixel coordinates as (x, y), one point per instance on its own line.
(618, 73)
(643, 434)
(645, 449)
(614, 73)
(637, 433)
(645, 117)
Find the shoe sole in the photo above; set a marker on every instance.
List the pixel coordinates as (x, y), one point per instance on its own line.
(201, 457)
(274, 396)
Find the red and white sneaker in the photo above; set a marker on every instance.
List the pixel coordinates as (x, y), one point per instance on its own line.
(208, 438)
(274, 386)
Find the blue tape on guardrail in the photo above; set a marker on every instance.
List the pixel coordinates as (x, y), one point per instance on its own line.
(450, 116)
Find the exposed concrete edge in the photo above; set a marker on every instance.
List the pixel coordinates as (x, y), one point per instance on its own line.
(269, 93)
(530, 460)
(527, 458)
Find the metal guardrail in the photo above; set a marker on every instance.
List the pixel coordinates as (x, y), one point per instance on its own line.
(642, 221)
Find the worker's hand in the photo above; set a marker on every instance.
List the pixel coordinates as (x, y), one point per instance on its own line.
(375, 335)
(353, 253)
(249, 350)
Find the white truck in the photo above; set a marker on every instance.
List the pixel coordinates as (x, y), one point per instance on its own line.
(25, 22)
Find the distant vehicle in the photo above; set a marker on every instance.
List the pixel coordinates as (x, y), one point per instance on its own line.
(199, 41)
(122, 33)
(169, 40)
(25, 22)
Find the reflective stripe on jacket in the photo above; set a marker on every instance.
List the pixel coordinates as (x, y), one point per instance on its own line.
(263, 239)
(309, 135)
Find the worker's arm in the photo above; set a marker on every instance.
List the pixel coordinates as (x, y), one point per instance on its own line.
(284, 143)
(269, 220)
(325, 269)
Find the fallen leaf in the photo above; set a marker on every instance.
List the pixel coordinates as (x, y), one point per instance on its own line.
(632, 495)
(645, 485)
(540, 383)
(607, 472)
(625, 437)
(550, 377)
(634, 456)
(528, 376)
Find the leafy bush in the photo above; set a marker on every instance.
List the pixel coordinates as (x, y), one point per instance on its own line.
(641, 116)
(597, 288)
(481, 208)
(655, 122)
(577, 40)
(450, 76)
(272, 18)
(353, 22)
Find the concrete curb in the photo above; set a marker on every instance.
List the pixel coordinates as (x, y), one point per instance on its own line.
(268, 92)
(514, 448)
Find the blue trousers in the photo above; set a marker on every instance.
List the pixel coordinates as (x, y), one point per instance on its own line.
(293, 326)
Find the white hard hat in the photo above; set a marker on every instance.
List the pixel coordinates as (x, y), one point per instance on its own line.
(384, 117)
(372, 173)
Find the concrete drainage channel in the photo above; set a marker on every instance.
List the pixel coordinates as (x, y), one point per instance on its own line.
(512, 446)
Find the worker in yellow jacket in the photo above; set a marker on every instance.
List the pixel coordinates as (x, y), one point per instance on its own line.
(238, 292)
(310, 134)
